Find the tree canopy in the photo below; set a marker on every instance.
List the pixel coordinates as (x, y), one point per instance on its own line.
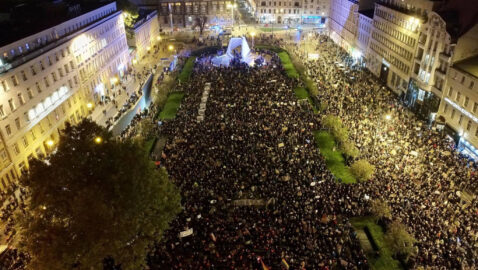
(95, 197)
(362, 170)
(399, 240)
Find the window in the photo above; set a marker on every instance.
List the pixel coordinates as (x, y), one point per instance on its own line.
(25, 141)
(453, 114)
(463, 80)
(32, 68)
(468, 126)
(472, 84)
(33, 135)
(460, 120)
(61, 72)
(475, 107)
(3, 154)
(8, 129)
(49, 60)
(21, 99)
(4, 86)
(47, 83)
(24, 75)
(29, 93)
(17, 123)
(41, 65)
(14, 80)
(458, 97)
(26, 117)
(53, 75)
(16, 149)
(467, 99)
(12, 104)
(38, 87)
(446, 109)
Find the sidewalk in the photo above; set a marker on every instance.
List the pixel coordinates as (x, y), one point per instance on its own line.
(132, 85)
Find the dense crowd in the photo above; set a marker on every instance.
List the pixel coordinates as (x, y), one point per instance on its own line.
(418, 172)
(245, 151)
(256, 143)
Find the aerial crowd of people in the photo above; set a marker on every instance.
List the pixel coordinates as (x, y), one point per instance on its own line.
(257, 191)
(257, 194)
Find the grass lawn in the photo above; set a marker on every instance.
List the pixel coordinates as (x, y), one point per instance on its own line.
(385, 260)
(187, 70)
(334, 159)
(171, 106)
(302, 93)
(287, 64)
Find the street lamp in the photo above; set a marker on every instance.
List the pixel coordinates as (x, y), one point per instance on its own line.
(89, 105)
(158, 38)
(135, 61)
(50, 143)
(170, 47)
(98, 140)
(232, 7)
(388, 117)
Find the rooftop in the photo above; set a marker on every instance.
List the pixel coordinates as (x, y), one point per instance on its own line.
(469, 65)
(29, 17)
(367, 12)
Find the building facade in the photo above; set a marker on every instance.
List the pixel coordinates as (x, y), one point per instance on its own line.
(430, 65)
(394, 40)
(365, 23)
(144, 34)
(48, 78)
(459, 106)
(182, 13)
(292, 12)
(343, 23)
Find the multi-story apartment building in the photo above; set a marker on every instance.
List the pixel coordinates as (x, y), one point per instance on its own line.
(460, 104)
(50, 77)
(430, 64)
(145, 33)
(293, 11)
(182, 13)
(365, 20)
(344, 21)
(394, 40)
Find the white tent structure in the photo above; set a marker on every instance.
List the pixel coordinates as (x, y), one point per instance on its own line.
(225, 59)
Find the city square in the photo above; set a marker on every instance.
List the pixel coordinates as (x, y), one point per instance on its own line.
(255, 140)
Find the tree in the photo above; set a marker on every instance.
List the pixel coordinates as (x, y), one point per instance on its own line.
(146, 128)
(332, 122)
(381, 209)
(362, 170)
(349, 149)
(399, 241)
(200, 21)
(94, 198)
(130, 12)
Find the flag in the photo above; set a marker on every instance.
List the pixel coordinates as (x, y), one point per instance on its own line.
(284, 263)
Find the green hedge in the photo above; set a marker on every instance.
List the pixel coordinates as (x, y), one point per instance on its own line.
(171, 107)
(187, 70)
(333, 158)
(288, 65)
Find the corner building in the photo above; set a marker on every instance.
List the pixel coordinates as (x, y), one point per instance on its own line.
(49, 77)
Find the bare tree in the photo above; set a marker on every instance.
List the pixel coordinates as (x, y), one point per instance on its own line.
(200, 21)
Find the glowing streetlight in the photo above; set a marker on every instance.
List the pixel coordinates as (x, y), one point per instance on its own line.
(388, 117)
(170, 47)
(50, 143)
(158, 38)
(114, 80)
(148, 48)
(98, 140)
(135, 61)
(89, 105)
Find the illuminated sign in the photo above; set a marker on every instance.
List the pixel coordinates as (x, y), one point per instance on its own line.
(463, 111)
